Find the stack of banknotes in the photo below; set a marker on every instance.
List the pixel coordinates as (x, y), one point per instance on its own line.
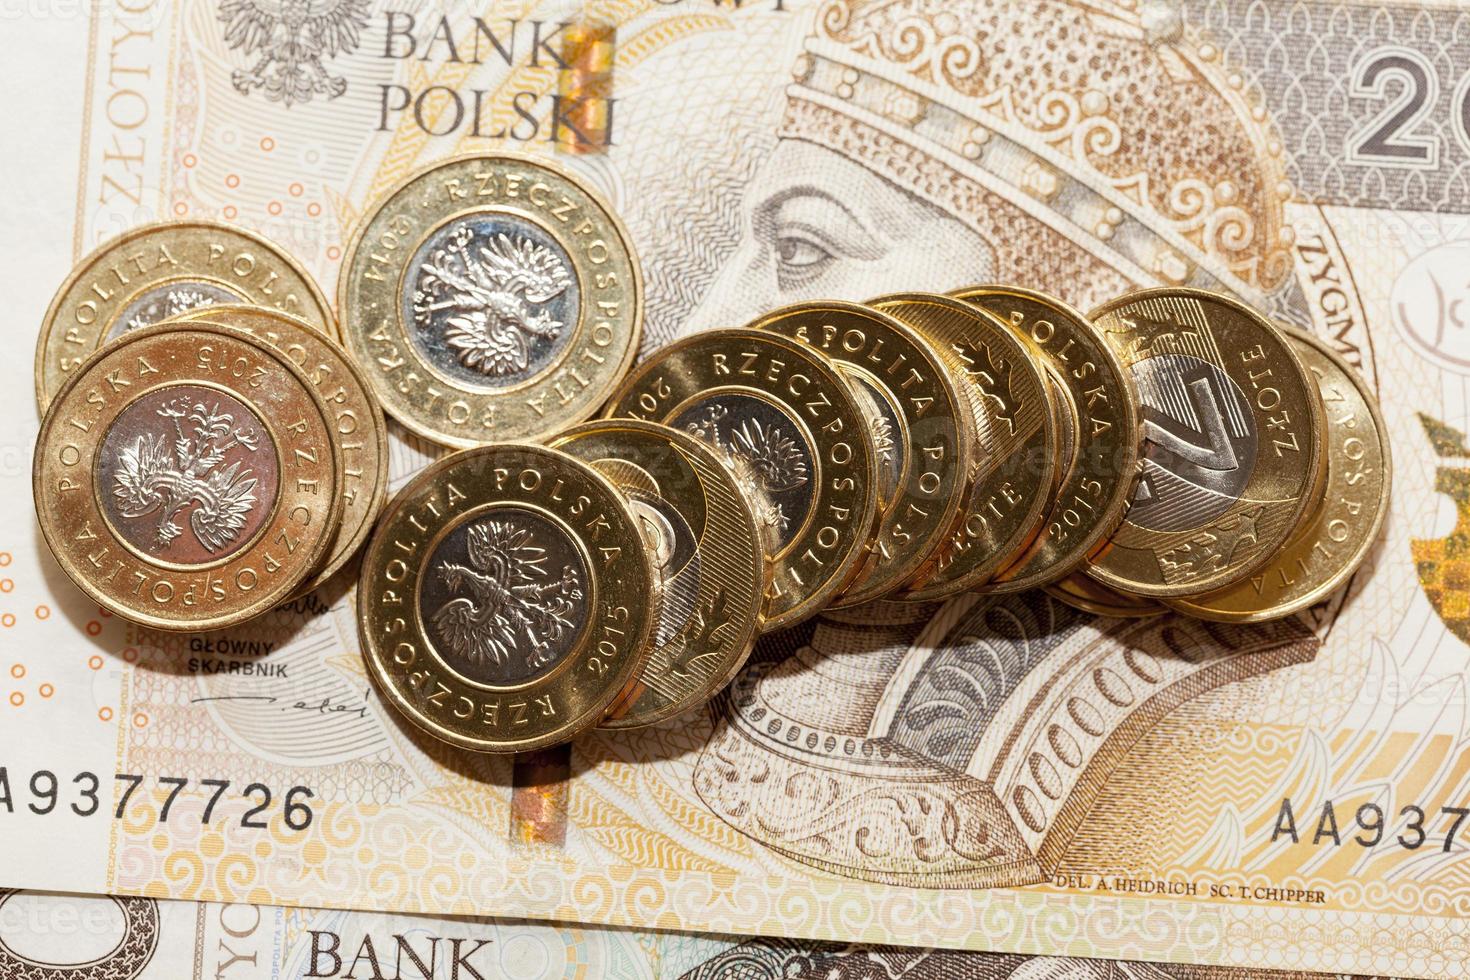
(989, 785)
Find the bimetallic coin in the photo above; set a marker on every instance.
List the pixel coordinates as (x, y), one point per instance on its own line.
(1081, 592)
(1231, 442)
(1101, 405)
(922, 433)
(706, 550)
(158, 271)
(1334, 539)
(506, 599)
(785, 422)
(358, 425)
(1011, 470)
(491, 298)
(185, 477)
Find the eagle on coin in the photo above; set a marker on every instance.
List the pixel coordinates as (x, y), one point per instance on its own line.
(153, 476)
(492, 291)
(293, 36)
(509, 606)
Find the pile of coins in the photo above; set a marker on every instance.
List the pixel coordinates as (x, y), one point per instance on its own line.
(201, 460)
(1173, 449)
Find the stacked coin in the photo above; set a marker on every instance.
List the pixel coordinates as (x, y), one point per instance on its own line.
(200, 460)
(1172, 449)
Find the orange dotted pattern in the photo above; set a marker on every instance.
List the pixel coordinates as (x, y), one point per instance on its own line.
(44, 690)
(289, 200)
(19, 671)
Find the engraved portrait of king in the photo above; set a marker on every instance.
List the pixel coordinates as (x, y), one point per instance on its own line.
(968, 744)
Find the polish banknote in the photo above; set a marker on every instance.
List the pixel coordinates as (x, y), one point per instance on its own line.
(51, 936)
(1000, 774)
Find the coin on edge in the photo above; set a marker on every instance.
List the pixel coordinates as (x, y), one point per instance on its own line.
(506, 599)
(1081, 592)
(1105, 436)
(922, 432)
(785, 422)
(358, 427)
(1336, 536)
(491, 298)
(158, 271)
(1231, 442)
(707, 551)
(186, 478)
(1011, 471)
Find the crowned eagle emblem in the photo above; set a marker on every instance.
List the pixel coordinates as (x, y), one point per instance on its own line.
(506, 603)
(176, 302)
(492, 293)
(292, 36)
(763, 458)
(154, 477)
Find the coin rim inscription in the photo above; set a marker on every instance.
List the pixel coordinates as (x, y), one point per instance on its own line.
(1104, 567)
(381, 630)
(415, 409)
(1032, 568)
(350, 537)
(691, 373)
(1199, 606)
(50, 378)
(728, 505)
(305, 559)
(943, 583)
(875, 577)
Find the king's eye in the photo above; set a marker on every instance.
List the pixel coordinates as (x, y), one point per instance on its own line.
(801, 253)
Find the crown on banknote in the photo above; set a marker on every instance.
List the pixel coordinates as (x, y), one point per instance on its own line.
(1133, 147)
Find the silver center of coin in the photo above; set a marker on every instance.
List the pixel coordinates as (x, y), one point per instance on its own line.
(886, 428)
(766, 450)
(1200, 443)
(187, 474)
(504, 596)
(676, 554)
(491, 300)
(167, 300)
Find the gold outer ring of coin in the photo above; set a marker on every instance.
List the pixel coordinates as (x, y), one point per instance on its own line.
(433, 599)
(358, 426)
(1249, 390)
(1081, 592)
(1095, 485)
(125, 273)
(479, 371)
(927, 433)
(1011, 474)
(1335, 538)
(187, 544)
(787, 423)
(709, 556)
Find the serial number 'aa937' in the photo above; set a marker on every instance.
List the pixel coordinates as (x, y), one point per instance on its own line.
(1367, 826)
